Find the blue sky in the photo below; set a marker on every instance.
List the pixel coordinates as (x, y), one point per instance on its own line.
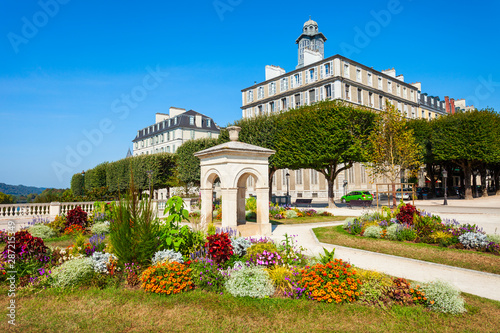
(66, 65)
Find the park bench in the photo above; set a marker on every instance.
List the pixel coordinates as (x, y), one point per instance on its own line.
(306, 202)
(359, 203)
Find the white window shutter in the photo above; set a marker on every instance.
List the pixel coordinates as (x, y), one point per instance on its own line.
(315, 74)
(321, 92)
(322, 71)
(317, 94)
(306, 98)
(300, 78)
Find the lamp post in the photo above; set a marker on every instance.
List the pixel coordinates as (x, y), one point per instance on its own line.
(150, 173)
(83, 185)
(288, 201)
(445, 176)
(345, 187)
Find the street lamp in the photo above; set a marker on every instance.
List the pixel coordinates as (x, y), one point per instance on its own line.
(345, 187)
(288, 201)
(83, 186)
(445, 176)
(150, 173)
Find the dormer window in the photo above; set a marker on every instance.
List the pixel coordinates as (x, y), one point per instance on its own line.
(191, 120)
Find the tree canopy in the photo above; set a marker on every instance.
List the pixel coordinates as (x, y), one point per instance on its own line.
(188, 165)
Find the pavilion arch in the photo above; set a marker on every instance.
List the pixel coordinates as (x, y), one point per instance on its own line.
(233, 162)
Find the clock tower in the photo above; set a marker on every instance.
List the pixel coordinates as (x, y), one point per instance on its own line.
(310, 39)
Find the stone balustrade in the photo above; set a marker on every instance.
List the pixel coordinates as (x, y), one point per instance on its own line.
(51, 210)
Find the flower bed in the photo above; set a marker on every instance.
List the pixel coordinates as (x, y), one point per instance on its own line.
(407, 223)
(170, 259)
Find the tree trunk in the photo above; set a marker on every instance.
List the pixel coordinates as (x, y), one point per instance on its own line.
(271, 174)
(394, 202)
(496, 178)
(484, 186)
(467, 181)
(474, 186)
(331, 195)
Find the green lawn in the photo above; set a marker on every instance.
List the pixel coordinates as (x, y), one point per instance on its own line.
(478, 261)
(132, 310)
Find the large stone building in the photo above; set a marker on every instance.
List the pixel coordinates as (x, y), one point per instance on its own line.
(171, 130)
(316, 78)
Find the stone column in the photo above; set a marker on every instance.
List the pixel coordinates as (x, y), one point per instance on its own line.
(241, 205)
(206, 207)
(229, 207)
(54, 209)
(263, 210)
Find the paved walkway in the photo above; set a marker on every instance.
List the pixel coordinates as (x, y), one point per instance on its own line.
(478, 283)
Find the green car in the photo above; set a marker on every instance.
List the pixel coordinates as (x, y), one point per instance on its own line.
(357, 195)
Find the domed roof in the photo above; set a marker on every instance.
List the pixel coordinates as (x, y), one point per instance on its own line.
(310, 22)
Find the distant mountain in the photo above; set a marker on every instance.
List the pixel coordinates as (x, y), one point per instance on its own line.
(19, 190)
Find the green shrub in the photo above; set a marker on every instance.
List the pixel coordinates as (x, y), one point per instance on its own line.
(257, 249)
(348, 221)
(493, 238)
(373, 231)
(59, 224)
(72, 273)
(249, 215)
(42, 231)
(290, 214)
(442, 238)
(251, 204)
(100, 228)
(283, 279)
(373, 286)
(250, 281)
(392, 231)
(134, 229)
(446, 298)
(406, 233)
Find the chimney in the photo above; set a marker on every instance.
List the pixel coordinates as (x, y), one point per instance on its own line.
(447, 103)
(452, 101)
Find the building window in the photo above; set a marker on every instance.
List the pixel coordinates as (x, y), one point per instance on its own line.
(399, 107)
(411, 96)
(312, 96)
(350, 173)
(389, 86)
(327, 70)
(380, 83)
(297, 80)
(398, 89)
(168, 149)
(423, 114)
(347, 92)
(413, 112)
(273, 180)
(404, 93)
(272, 88)
(297, 100)
(284, 84)
(284, 104)
(191, 120)
(249, 96)
(430, 116)
(328, 91)
(406, 111)
(346, 70)
(173, 149)
(370, 97)
(298, 177)
(260, 92)
(360, 96)
(314, 177)
(358, 74)
(209, 123)
(271, 106)
(380, 102)
(370, 82)
(192, 134)
(311, 75)
(363, 174)
(259, 110)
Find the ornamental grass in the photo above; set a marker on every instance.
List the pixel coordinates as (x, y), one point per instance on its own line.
(167, 278)
(334, 282)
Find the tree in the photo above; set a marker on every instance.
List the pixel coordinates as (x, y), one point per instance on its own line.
(77, 184)
(328, 137)
(188, 165)
(6, 198)
(468, 140)
(393, 148)
(260, 131)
